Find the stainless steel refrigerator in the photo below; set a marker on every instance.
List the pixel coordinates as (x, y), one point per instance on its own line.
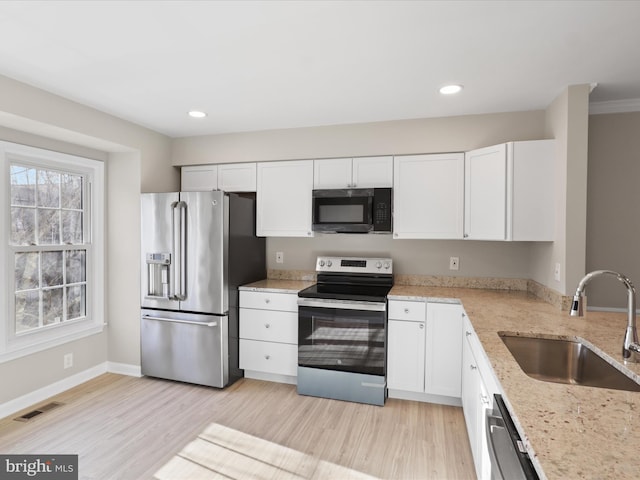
(197, 248)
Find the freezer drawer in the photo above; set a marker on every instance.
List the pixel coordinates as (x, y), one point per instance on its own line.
(185, 347)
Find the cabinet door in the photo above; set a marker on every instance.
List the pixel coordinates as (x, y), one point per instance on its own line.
(443, 349)
(471, 391)
(332, 173)
(485, 193)
(428, 196)
(284, 198)
(405, 355)
(237, 177)
(199, 179)
(372, 172)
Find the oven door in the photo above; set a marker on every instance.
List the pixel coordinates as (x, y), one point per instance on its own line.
(343, 210)
(342, 335)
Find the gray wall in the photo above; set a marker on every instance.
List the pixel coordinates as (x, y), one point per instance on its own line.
(613, 221)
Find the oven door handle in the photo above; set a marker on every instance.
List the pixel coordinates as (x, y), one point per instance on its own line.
(342, 304)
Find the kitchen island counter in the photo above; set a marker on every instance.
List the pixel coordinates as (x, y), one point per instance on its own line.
(574, 431)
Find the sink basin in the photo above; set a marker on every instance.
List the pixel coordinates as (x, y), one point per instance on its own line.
(565, 361)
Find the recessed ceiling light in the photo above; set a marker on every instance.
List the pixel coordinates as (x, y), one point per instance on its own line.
(450, 89)
(197, 114)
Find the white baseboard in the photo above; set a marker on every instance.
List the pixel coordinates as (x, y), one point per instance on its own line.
(425, 397)
(31, 398)
(124, 369)
(270, 377)
(37, 396)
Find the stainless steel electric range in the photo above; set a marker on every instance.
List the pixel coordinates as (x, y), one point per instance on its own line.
(342, 330)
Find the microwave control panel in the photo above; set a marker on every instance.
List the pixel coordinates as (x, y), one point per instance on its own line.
(382, 210)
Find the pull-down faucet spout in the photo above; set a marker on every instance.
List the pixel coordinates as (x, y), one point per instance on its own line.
(630, 346)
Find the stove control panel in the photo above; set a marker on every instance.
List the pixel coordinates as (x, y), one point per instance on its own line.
(354, 265)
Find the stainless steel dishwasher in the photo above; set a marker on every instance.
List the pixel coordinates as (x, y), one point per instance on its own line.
(509, 459)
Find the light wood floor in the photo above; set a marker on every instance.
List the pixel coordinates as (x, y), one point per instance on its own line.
(130, 428)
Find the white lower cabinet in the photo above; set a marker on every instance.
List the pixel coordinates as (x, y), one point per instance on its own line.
(424, 351)
(269, 335)
(478, 386)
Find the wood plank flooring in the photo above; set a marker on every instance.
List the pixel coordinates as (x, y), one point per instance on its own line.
(133, 428)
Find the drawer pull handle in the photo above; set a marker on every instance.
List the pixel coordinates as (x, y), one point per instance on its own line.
(267, 357)
(473, 367)
(422, 325)
(468, 334)
(266, 325)
(406, 310)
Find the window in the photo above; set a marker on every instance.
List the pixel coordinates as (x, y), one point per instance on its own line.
(53, 248)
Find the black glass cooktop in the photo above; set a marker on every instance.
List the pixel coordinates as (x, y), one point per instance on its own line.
(364, 293)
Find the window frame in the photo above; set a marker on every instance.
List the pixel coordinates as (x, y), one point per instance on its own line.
(13, 344)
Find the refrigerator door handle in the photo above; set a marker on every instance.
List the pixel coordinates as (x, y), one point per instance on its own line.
(188, 322)
(178, 247)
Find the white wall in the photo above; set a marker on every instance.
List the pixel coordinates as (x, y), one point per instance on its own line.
(567, 122)
(431, 135)
(137, 159)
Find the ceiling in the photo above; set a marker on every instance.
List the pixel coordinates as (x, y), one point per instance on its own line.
(257, 65)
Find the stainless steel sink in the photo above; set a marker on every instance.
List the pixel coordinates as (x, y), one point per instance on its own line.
(565, 361)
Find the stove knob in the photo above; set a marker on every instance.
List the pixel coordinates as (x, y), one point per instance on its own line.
(321, 262)
(387, 265)
(329, 263)
(378, 265)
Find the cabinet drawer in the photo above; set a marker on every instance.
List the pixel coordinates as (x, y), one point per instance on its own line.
(269, 325)
(286, 302)
(269, 357)
(401, 310)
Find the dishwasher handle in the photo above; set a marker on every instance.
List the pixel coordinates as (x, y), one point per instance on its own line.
(509, 458)
(174, 320)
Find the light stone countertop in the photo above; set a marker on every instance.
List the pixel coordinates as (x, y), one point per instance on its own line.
(574, 431)
(277, 286)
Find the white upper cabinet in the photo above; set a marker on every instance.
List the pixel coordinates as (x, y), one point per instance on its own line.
(373, 172)
(232, 177)
(200, 178)
(509, 192)
(428, 196)
(361, 172)
(284, 198)
(237, 177)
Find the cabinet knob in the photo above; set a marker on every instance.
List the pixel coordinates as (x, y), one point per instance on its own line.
(406, 310)
(266, 300)
(468, 334)
(267, 325)
(267, 357)
(466, 235)
(484, 399)
(422, 325)
(473, 367)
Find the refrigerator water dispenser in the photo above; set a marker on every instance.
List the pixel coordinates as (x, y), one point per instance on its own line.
(158, 274)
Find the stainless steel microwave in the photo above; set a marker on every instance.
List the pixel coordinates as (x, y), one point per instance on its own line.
(352, 210)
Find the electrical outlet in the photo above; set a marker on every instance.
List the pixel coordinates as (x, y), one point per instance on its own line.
(454, 263)
(279, 257)
(556, 272)
(68, 360)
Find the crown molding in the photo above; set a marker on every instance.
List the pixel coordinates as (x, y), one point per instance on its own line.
(615, 106)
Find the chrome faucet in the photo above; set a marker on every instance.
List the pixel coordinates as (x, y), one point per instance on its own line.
(630, 346)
